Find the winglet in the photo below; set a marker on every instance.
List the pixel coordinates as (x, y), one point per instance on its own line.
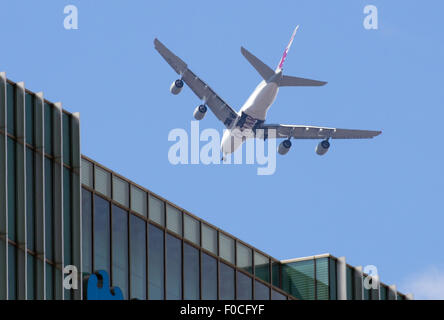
(284, 56)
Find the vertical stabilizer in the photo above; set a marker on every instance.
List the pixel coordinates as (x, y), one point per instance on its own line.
(284, 56)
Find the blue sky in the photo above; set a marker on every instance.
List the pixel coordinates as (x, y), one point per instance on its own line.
(376, 202)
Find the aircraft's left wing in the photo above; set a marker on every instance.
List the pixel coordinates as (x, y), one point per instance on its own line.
(219, 107)
(310, 132)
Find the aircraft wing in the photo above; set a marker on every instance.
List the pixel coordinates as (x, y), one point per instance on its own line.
(310, 132)
(218, 106)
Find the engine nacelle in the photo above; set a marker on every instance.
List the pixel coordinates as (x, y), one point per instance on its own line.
(322, 147)
(176, 86)
(284, 147)
(200, 111)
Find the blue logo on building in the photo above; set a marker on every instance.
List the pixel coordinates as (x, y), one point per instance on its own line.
(97, 287)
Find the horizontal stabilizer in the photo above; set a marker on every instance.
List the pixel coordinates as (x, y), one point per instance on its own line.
(289, 81)
(265, 71)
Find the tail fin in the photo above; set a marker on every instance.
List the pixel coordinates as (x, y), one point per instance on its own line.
(284, 56)
(265, 71)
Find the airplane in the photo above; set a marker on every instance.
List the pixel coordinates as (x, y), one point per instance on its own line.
(249, 122)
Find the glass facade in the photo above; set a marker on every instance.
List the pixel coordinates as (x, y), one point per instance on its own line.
(119, 245)
(191, 272)
(311, 278)
(138, 258)
(244, 286)
(209, 277)
(150, 248)
(172, 254)
(41, 144)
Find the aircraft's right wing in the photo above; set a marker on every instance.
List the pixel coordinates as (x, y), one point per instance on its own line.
(310, 132)
(219, 107)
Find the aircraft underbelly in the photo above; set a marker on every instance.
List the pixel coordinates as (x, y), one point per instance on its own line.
(260, 100)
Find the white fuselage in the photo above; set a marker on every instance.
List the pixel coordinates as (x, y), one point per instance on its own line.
(255, 108)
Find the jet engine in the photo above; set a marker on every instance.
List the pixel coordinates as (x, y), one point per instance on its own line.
(176, 86)
(200, 111)
(322, 147)
(284, 147)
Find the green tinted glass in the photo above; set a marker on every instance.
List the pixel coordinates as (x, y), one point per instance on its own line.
(322, 278)
(298, 279)
(349, 283)
(10, 93)
(29, 114)
(333, 279)
(261, 267)
(66, 129)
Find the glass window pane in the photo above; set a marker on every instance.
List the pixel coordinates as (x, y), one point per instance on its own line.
(157, 210)
(11, 189)
(66, 129)
(275, 274)
(173, 268)
(155, 263)
(48, 123)
(67, 217)
(10, 108)
(191, 273)
(12, 272)
(120, 191)
(244, 287)
(103, 181)
(209, 238)
(174, 219)
(350, 286)
(120, 249)
(49, 212)
(322, 278)
(367, 294)
(383, 292)
(87, 173)
(191, 229)
(332, 279)
(209, 277)
(86, 232)
(226, 282)
(138, 257)
(30, 198)
(226, 248)
(30, 277)
(261, 291)
(3, 266)
(277, 295)
(244, 257)
(102, 250)
(138, 200)
(49, 282)
(261, 267)
(29, 113)
(298, 279)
